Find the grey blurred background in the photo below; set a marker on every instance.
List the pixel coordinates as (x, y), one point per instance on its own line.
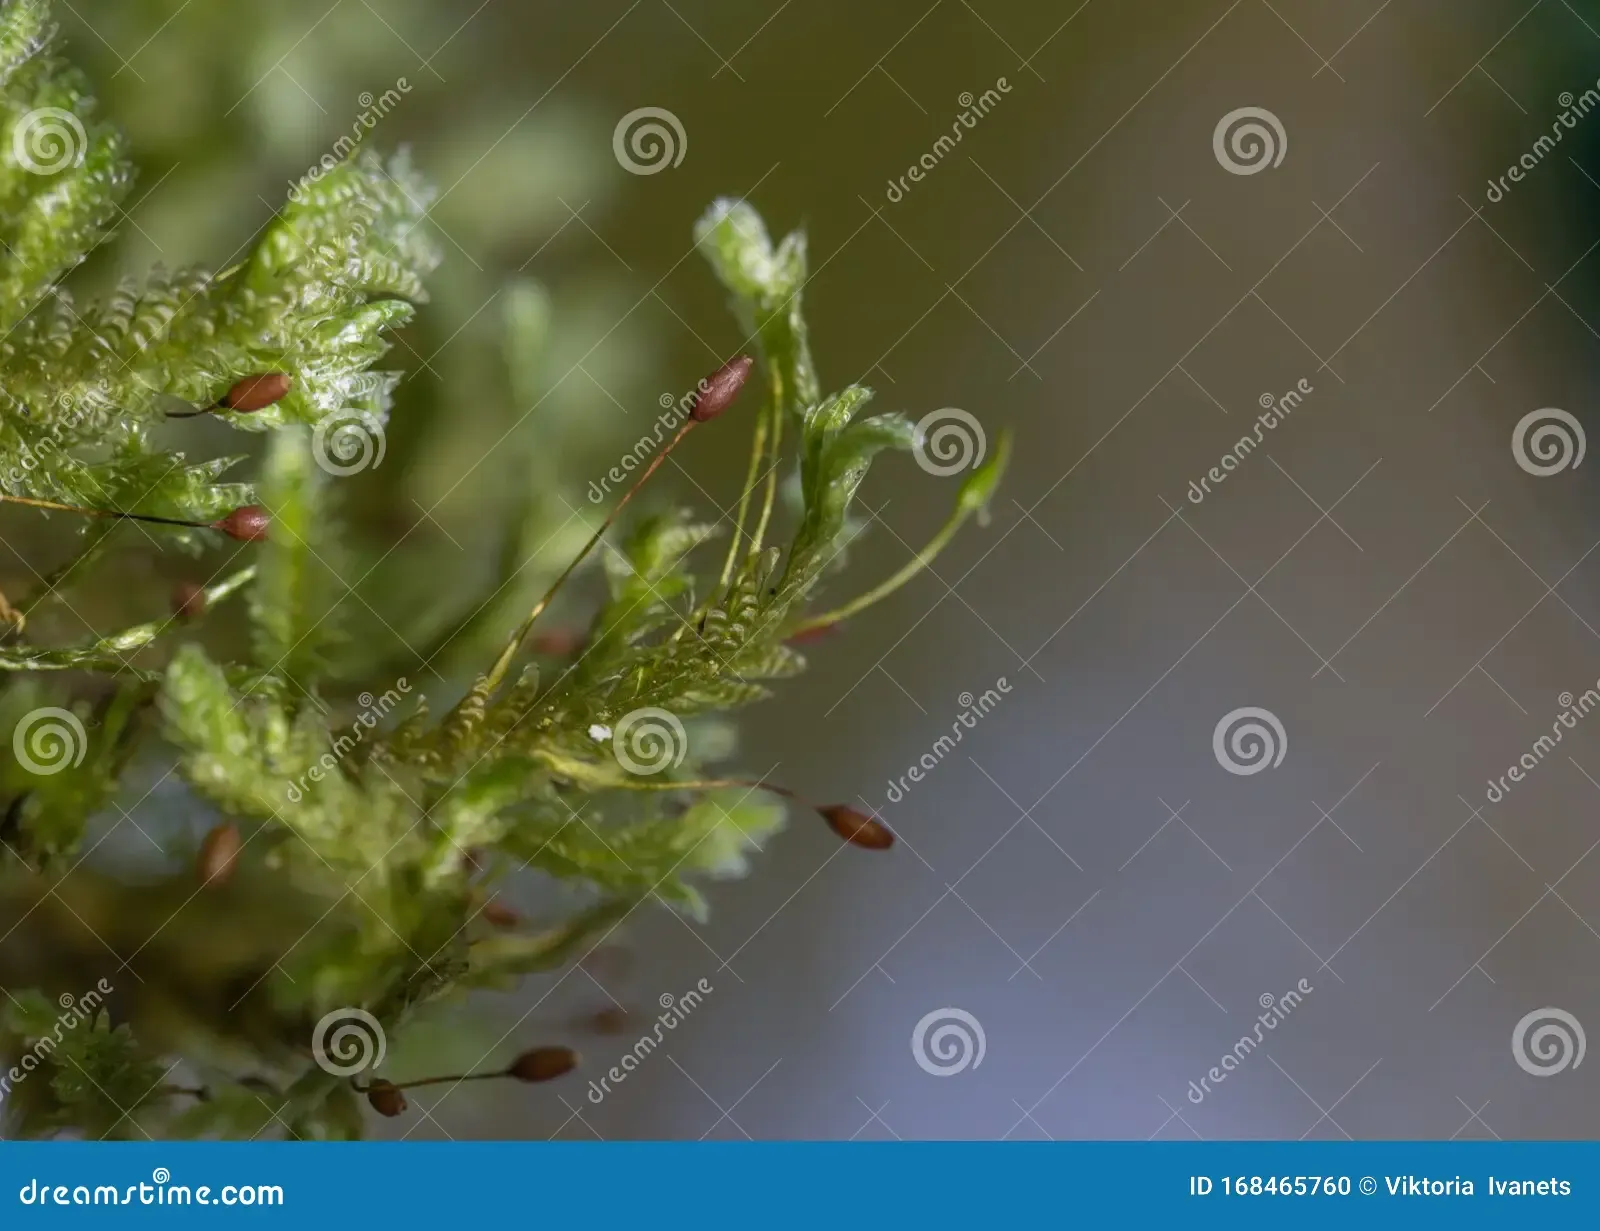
(1081, 877)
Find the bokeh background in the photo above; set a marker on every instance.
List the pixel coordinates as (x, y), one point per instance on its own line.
(1082, 878)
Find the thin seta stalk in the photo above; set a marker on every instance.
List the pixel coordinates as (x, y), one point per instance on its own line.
(889, 585)
(769, 498)
(781, 374)
(539, 1065)
(973, 500)
(109, 653)
(718, 393)
(758, 450)
(794, 386)
(246, 396)
(245, 524)
(769, 423)
(53, 585)
(758, 453)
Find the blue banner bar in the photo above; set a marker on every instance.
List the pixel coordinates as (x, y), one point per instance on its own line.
(761, 1185)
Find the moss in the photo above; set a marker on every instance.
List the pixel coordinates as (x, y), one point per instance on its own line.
(372, 831)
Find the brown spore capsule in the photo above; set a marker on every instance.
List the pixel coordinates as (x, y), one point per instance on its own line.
(246, 524)
(558, 643)
(387, 1099)
(219, 852)
(857, 828)
(543, 1064)
(608, 962)
(809, 636)
(613, 1019)
(718, 390)
(188, 600)
(257, 392)
(498, 914)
